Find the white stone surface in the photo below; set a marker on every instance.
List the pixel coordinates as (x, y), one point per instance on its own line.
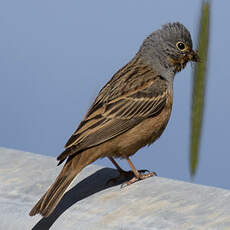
(155, 203)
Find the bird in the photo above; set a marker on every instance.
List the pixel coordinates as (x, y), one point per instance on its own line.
(130, 111)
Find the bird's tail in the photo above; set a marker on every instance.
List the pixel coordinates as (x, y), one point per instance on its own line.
(50, 199)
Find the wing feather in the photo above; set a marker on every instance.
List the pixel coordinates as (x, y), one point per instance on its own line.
(108, 118)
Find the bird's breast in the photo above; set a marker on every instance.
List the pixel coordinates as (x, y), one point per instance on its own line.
(158, 124)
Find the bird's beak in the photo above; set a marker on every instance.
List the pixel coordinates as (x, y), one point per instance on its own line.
(193, 56)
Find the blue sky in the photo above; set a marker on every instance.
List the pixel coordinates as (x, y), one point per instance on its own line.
(56, 55)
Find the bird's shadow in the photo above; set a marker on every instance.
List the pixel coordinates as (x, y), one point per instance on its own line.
(87, 187)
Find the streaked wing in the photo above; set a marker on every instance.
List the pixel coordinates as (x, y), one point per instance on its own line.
(109, 118)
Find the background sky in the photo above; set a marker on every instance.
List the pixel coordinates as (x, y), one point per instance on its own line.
(56, 55)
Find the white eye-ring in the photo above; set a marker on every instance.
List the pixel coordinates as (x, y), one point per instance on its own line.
(181, 46)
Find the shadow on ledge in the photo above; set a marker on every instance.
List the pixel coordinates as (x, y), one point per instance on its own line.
(87, 187)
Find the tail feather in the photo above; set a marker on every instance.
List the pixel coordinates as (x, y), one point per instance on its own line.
(50, 199)
(72, 167)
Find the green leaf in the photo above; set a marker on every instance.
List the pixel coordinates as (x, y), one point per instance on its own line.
(199, 85)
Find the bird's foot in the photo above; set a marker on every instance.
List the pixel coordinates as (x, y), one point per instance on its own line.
(141, 176)
(125, 175)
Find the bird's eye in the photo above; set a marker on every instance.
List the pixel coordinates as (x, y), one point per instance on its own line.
(180, 46)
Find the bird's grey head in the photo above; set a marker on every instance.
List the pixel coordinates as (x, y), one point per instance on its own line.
(168, 48)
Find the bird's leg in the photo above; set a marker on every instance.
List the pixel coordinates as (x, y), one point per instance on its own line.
(123, 173)
(120, 170)
(137, 174)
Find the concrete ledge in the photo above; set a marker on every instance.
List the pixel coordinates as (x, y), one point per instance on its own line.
(155, 203)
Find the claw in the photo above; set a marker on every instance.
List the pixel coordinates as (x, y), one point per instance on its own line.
(143, 171)
(125, 175)
(135, 179)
